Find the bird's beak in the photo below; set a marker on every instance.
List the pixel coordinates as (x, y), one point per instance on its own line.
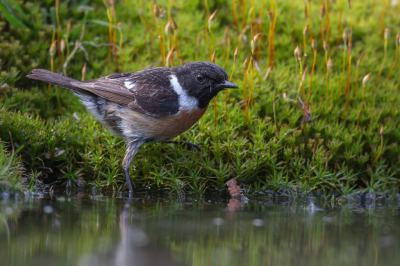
(227, 85)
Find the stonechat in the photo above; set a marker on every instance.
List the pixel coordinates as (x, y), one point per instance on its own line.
(151, 105)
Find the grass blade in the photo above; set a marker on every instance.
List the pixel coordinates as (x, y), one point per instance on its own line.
(22, 14)
(11, 19)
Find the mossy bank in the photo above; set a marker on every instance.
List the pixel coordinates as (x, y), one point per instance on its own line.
(349, 143)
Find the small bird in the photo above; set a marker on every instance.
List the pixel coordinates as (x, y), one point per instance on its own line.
(151, 105)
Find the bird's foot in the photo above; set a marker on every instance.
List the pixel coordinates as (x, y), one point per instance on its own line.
(129, 183)
(189, 145)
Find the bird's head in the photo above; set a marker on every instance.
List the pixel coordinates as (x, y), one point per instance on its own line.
(202, 80)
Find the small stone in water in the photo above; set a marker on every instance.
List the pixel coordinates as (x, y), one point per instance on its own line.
(48, 209)
(258, 222)
(218, 221)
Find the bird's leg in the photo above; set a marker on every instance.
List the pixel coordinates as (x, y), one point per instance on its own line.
(189, 145)
(131, 149)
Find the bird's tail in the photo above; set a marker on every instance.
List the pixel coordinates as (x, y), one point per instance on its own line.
(55, 79)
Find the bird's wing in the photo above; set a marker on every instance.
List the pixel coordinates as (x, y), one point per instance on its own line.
(148, 93)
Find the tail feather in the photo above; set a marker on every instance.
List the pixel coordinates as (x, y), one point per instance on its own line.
(55, 79)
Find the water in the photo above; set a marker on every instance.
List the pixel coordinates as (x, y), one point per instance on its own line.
(86, 230)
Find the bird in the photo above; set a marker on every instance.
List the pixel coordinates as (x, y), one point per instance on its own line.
(150, 105)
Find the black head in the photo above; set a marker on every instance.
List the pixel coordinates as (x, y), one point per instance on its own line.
(202, 80)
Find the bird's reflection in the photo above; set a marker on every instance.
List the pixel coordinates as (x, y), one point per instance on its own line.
(135, 247)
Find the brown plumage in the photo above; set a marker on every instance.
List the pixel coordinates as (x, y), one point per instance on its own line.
(146, 106)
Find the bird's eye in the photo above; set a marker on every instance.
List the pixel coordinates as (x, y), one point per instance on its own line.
(200, 78)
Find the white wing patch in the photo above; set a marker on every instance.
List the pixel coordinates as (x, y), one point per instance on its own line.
(186, 102)
(129, 84)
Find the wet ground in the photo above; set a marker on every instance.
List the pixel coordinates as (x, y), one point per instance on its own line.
(44, 229)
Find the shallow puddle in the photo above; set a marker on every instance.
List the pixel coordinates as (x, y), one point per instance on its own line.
(86, 230)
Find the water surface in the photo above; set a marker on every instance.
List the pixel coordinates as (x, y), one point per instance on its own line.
(44, 229)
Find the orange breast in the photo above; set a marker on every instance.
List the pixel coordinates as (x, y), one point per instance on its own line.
(157, 128)
(172, 126)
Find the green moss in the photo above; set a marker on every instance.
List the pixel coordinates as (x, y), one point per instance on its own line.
(10, 170)
(331, 155)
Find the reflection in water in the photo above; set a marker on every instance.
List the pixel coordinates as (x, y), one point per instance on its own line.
(83, 230)
(134, 248)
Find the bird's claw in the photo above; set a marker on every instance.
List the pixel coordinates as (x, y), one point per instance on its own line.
(192, 146)
(189, 145)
